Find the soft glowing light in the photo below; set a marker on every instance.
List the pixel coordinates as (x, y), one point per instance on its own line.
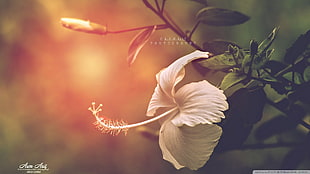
(88, 67)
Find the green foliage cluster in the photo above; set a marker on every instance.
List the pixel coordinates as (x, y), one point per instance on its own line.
(254, 80)
(251, 76)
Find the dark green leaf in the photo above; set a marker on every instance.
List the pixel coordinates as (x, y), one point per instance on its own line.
(276, 125)
(274, 66)
(306, 74)
(203, 2)
(281, 123)
(138, 42)
(232, 79)
(300, 65)
(295, 77)
(301, 93)
(279, 88)
(220, 17)
(217, 46)
(245, 109)
(298, 47)
(297, 155)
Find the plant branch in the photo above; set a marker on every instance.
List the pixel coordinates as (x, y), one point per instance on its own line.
(249, 74)
(162, 6)
(289, 67)
(280, 79)
(148, 5)
(264, 81)
(193, 30)
(157, 5)
(159, 27)
(171, 24)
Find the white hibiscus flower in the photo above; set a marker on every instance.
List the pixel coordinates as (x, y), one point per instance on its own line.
(187, 135)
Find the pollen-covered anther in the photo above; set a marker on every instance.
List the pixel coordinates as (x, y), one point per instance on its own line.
(113, 127)
(95, 111)
(105, 125)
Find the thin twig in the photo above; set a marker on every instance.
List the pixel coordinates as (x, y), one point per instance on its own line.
(193, 30)
(289, 67)
(249, 74)
(148, 5)
(171, 24)
(157, 5)
(278, 78)
(158, 27)
(162, 6)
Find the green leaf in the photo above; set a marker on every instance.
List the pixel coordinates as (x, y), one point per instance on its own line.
(297, 155)
(217, 46)
(260, 61)
(306, 74)
(282, 123)
(203, 2)
(301, 93)
(298, 48)
(220, 17)
(274, 66)
(220, 62)
(295, 77)
(138, 42)
(245, 66)
(232, 79)
(276, 125)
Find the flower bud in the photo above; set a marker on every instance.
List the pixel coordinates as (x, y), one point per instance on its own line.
(83, 26)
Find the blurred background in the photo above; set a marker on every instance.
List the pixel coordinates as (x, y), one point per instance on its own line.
(50, 75)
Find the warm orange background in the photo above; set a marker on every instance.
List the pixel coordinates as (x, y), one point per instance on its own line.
(50, 75)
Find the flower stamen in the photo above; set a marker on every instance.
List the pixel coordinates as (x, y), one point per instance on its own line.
(114, 127)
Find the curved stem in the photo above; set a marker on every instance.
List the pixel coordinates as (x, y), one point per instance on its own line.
(144, 122)
(158, 27)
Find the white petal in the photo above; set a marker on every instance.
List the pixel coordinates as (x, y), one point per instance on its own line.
(200, 103)
(159, 100)
(188, 146)
(168, 78)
